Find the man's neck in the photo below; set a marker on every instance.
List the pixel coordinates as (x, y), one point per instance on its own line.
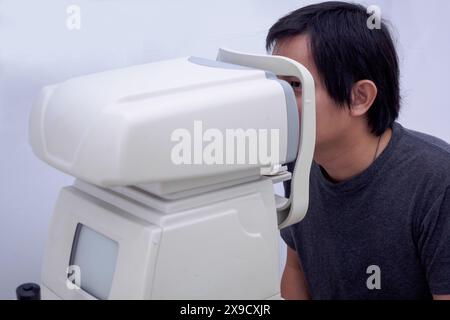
(351, 156)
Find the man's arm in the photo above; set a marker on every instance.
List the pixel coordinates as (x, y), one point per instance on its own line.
(434, 246)
(441, 297)
(293, 282)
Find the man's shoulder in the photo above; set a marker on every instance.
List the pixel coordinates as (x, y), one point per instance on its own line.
(426, 156)
(428, 141)
(429, 150)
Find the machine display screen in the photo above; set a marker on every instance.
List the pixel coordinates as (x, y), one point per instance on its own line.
(96, 257)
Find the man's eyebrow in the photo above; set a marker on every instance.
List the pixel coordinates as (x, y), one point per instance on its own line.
(290, 78)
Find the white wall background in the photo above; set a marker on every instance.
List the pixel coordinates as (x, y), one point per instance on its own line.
(36, 49)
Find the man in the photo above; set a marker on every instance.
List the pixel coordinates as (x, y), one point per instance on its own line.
(378, 223)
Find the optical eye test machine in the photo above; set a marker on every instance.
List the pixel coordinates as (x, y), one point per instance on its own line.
(134, 225)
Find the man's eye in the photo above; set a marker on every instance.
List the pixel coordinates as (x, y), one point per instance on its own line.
(295, 84)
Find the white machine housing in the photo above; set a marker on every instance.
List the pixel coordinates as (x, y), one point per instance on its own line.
(114, 128)
(218, 245)
(137, 225)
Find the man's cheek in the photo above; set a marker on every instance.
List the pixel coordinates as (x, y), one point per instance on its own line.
(299, 106)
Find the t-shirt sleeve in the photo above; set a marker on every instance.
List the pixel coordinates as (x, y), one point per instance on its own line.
(434, 245)
(288, 237)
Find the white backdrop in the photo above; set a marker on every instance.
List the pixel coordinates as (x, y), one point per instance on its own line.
(37, 49)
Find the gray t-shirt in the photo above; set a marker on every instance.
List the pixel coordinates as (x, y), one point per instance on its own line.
(384, 234)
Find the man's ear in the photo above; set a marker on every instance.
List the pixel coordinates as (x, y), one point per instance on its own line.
(364, 93)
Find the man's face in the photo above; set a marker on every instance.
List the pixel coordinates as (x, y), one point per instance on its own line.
(332, 121)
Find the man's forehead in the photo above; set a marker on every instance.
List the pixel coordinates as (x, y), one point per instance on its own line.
(295, 47)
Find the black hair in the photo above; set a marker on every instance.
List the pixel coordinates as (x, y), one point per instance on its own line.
(345, 50)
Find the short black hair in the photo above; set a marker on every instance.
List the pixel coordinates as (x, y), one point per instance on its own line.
(345, 50)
